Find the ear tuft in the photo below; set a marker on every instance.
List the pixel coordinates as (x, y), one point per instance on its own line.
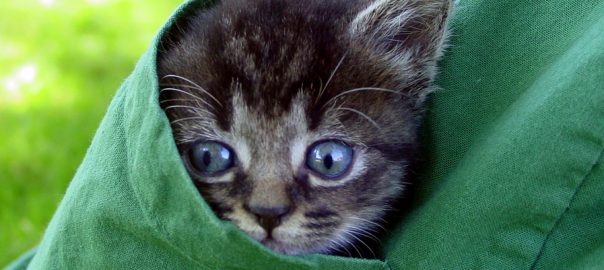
(403, 26)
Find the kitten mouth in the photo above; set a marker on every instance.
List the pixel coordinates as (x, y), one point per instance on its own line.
(273, 244)
(268, 238)
(269, 241)
(280, 247)
(290, 245)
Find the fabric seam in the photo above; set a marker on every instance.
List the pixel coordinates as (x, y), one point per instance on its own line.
(570, 202)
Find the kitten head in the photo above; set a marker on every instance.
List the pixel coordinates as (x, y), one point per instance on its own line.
(296, 119)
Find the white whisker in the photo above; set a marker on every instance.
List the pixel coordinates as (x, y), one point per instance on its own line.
(322, 90)
(335, 241)
(188, 118)
(365, 232)
(173, 100)
(370, 222)
(360, 89)
(361, 114)
(352, 244)
(186, 93)
(188, 107)
(359, 239)
(196, 86)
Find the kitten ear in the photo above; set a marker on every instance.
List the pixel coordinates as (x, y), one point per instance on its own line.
(403, 26)
(407, 35)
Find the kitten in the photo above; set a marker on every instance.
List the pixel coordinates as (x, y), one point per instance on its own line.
(297, 119)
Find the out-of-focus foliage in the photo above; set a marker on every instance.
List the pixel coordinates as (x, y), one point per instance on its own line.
(60, 63)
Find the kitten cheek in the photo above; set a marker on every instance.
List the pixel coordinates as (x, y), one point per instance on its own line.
(290, 230)
(293, 241)
(287, 234)
(253, 231)
(249, 226)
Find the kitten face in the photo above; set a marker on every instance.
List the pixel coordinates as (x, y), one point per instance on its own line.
(296, 119)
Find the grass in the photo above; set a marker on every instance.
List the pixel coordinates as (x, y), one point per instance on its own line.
(61, 63)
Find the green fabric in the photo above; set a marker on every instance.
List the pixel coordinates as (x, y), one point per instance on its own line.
(513, 176)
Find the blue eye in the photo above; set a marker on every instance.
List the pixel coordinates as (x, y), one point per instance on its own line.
(210, 158)
(330, 159)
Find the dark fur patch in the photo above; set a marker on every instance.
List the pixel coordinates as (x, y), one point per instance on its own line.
(320, 213)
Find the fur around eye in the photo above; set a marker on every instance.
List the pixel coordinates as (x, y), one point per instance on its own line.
(211, 158)
(329, 159)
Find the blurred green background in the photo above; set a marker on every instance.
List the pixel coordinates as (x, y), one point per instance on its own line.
(60, 63)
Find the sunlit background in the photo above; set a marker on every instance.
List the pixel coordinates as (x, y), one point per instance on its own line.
(60, 63)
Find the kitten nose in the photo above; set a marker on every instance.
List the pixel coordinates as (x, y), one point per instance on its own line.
(269, 217)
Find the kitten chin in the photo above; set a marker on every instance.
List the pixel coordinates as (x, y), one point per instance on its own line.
(297, 120)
